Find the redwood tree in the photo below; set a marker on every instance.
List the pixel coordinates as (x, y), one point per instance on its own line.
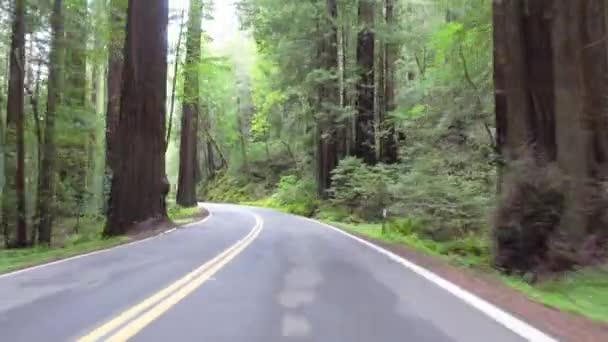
(188, 152)
(330, 133)
(388, 143)
(118, 12)
(47, 169)
(365, 120)
(14, 211)
(139, 183)
(550, 77)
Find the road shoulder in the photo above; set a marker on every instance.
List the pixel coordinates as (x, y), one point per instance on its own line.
(560, 324)
(17, 261)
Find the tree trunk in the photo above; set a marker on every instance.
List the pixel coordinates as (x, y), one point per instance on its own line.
(365, 130)
(118, 12)
(579, 39)
(388, 142)
(46, 192)
(188, 154)
(139, 183)
(14, 190)
(550, 78)
(329, 134)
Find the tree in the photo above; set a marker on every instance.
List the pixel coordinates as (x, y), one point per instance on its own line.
(388, 144)
(550, 107)
(139, 184)
(330, 136)
(14, 194)
(118, 12)
(188, 161)
(365, 120)
(46, 191)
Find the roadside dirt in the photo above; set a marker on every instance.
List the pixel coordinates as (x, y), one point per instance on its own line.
(561, 325)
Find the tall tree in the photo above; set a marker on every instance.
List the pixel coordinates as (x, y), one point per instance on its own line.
(139, 182)
(14, 191)
(388, 143)
(330, 132)
(46, 190)
(188, 152)
(550, 77)
(118, 11)
(365, 120)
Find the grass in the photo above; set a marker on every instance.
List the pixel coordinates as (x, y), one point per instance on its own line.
(69, 241)
(14, 259)
(70, 238)
(584, 292)
(182, 215)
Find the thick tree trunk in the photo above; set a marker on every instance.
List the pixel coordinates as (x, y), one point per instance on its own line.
(118, 12)
(139, 183)
(14, 211)
(47, 181)
(388, 142)
(579, 39)
(365, 124)
(550, 78)
(188, 154)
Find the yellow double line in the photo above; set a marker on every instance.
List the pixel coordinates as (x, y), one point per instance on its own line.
(132, 321)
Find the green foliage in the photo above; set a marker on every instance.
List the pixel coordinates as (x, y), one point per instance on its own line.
(361, 188)
(296, 196)
(180, 215)
(227, 188)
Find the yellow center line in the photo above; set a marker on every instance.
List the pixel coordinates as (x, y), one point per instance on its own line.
(163, 300)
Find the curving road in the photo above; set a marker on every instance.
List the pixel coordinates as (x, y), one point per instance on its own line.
(245, 274)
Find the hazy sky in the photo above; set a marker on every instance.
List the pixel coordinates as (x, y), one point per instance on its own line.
(223, 26)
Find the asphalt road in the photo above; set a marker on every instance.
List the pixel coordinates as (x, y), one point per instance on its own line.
(288, 279)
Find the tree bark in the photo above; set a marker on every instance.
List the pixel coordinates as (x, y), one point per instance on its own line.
(188, 154)
(551, 64)
(118, 12)
(579, 38)
(14, 190)
(365, 123)
(46, 191)
(139, 183)
(330, 132)
(389, 148)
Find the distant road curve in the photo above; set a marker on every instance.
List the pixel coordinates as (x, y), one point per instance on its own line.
(247, 274)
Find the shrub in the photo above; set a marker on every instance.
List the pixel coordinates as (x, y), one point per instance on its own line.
(361, 188)
(529, 211)
(295, 195)
(446, 207)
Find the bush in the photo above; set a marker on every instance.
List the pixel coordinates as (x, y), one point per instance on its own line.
(230, 189)
(295, 195)
(529, 211)
(361, 188)
(446, 207)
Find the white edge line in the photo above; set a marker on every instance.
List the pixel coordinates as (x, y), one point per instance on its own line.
(56, 262)
(516, 325)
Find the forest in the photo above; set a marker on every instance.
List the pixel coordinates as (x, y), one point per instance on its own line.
(471, 130)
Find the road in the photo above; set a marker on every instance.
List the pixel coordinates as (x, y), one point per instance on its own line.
(277, 278)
